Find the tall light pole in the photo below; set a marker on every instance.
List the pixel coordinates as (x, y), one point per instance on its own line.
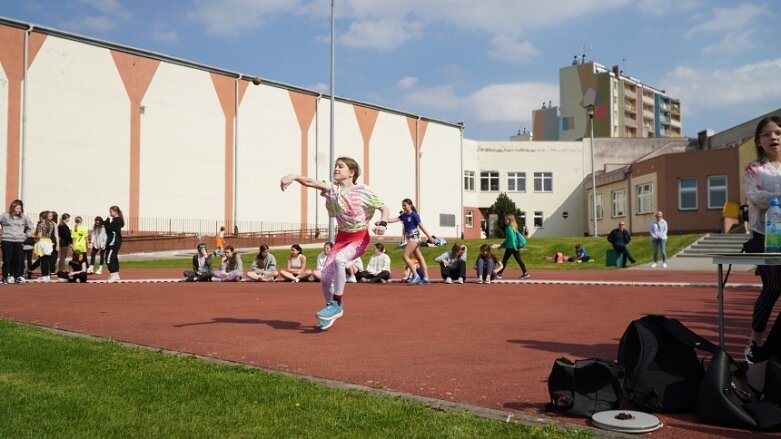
(590, 109)
(331, 153)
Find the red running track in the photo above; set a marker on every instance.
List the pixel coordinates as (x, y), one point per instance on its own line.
(484, 345)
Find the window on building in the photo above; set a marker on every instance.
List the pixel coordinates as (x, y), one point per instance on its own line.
(618, 201)
(537, 219)
(645, 193)
(687, 193)
(543, 182)
(599, 206)
(489, 181)
(717, 191)
(469, 181)
(522, 219)
(516, 182)
(469, 219)
(447, 220)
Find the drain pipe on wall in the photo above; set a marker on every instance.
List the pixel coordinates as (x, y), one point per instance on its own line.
(23, 143)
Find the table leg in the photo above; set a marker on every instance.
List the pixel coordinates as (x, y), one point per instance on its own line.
(720, 298)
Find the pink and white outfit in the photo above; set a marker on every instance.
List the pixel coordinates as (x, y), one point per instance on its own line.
(352, 207)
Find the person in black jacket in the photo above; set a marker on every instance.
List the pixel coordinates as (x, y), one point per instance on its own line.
(113, 225)
(202, 266)
(620, 238)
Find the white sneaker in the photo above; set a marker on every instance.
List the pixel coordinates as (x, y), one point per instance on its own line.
(479, 280)
(99, 270)
(653, 265)
(487, 280)
(352, 279)
(448, 280)
(45, 278)
(460, 280)
(664, 264)
(59, 279)
(91, 269)
(113, 278)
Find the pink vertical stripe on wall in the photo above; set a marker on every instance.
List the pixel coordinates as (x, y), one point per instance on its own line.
(136, 73)
(367, 119)
(12, 63)
(417, 130)
(305, 107)
(225, 87)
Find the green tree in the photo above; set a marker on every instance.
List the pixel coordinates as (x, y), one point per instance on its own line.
(502, 206)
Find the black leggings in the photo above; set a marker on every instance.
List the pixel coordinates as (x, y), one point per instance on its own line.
(13, 258)
(374, 278)
(771, 290)
(113, 259)
(94, 252)
(453, 272)
(506, 257)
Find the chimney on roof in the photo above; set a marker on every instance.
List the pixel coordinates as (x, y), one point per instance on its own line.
(575, 61)
(616, 70)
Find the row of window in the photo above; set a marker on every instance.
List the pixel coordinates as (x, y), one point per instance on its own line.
(687, 196)
(516, 181)
(469, 219)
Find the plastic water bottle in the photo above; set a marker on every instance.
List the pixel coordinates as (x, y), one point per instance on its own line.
(773, 227)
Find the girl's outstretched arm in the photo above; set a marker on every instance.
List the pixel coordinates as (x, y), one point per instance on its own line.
(380, 229)
(305, 181)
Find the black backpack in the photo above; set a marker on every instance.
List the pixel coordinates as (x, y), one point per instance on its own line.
(663, 371)
(584, 387)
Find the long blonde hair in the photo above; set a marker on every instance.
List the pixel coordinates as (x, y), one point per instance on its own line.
(513, 222)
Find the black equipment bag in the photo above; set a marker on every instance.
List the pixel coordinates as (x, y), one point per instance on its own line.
(773, 379)
(725, 398)
(584, 387)
(663, 371)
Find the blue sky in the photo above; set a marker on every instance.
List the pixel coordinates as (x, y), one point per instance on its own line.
(486, 63)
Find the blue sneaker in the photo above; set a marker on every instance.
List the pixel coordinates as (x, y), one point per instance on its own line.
(325, 324)
(424, 281)
(415, 280)
(331, 312)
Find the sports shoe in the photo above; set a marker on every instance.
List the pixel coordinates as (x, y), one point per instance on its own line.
(480, 280)
(415, 279)
(113, 278)
(498, 275)
(756, 354)
(487, 280)
(460, 280)
(45, 278)
(91, 269)
(526, 276)
(325, 324)
(653, 265)
(664, 264)
(351, 279)
(5, 281)
(10, 280)
(448, 280)
(20, 280)
(424, 281)
(62, 279)
(99, 270)
(333, 310)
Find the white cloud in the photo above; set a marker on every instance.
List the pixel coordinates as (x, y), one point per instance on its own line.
(112, 8)
(407, 82)
(493, 103)
(380, 34)
(732, 43)
(504, 48)
(752, 88)
(165, 36)
(729, 19)
(667, 7)
(320, 87)
(97, 24)
(509, 102)
(237, 17)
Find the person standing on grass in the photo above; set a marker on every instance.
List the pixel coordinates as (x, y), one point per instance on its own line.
(113, 225)
(352, 206)
(762, 182)
(412, 228)
(513, 242)
(16, 227)
(659, 238)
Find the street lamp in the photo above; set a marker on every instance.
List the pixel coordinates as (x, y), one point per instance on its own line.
(590, 109)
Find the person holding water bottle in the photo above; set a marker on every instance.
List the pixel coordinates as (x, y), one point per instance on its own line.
(762, 180)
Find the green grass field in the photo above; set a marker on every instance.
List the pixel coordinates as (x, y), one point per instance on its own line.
(533, 255)
(71, 387)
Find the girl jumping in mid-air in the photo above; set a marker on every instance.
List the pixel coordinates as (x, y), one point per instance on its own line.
(352, 206)
(409, 216)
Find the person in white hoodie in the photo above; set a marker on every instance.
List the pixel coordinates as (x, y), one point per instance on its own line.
(16, 228)
(97, 244)
(659, 239)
